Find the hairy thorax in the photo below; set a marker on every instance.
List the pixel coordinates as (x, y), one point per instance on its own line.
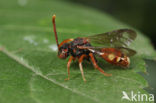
(74, 51)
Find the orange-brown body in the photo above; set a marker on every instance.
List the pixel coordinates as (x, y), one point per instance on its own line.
(115, 56)
(81, 48)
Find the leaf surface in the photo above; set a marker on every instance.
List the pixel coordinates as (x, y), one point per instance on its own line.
(30, 71)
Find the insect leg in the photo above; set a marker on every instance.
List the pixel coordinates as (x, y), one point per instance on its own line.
(68, 66)
(81, 68)
(96, 66)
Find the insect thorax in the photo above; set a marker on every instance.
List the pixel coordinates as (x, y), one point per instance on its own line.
(74, 51)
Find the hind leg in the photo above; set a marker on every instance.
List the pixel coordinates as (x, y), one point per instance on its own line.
(96, 66)
(68, 66)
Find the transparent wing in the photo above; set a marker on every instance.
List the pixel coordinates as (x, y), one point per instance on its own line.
(116, 38)
(127, 51)
(117, 50)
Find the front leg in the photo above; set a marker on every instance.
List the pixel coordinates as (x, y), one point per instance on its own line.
(68, 66)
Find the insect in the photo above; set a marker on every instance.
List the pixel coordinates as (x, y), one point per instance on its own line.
(113, 48)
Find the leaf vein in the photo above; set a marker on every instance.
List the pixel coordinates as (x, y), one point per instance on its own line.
(25, 64)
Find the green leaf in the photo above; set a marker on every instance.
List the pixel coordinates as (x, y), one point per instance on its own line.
(30, 70)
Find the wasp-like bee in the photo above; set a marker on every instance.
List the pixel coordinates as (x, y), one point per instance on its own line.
(113, 48)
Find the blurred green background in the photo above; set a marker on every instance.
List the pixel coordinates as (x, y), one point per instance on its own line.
(140, 14)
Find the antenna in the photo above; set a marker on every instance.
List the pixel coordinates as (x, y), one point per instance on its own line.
(54, 27)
